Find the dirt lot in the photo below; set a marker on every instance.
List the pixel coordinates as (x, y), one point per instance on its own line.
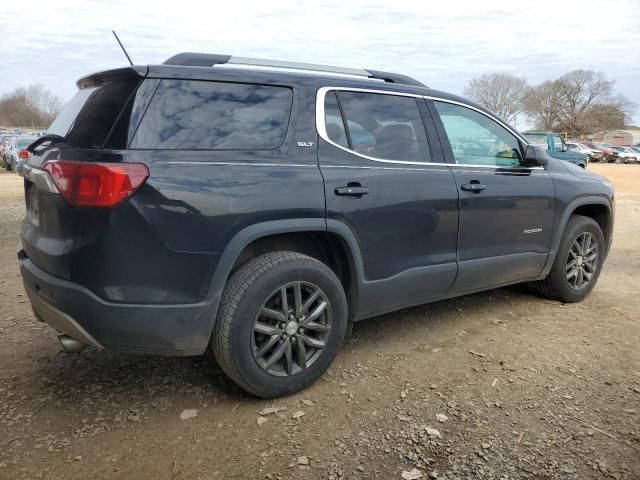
(516, 387)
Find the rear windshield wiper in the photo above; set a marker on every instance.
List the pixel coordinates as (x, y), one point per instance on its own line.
(49, 137)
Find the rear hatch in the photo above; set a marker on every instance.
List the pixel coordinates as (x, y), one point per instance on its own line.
(54, 233)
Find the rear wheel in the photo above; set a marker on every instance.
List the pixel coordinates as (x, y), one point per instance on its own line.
(282, 319)
(578, 262)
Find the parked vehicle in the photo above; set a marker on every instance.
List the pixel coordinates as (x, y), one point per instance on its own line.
(16, 144)
(185, 206)
(593, 154)
(23, 157)
(626, 154)
(4, 143)
(556, 147)
(609, 155)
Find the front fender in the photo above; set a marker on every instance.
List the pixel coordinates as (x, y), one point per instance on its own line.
(564, 219)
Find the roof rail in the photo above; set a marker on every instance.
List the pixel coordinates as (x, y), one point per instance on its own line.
(211, 59)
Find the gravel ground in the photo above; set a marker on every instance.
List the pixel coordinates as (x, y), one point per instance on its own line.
(497, 385)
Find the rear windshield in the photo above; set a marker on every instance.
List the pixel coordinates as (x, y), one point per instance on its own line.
(22, 143)
(87, 119)
(200, 115)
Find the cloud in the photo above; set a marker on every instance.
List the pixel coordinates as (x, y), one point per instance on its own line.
(444, 44)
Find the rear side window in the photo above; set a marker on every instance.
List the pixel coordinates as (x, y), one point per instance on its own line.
(199, 115)
(378, 125)
(333, 120)
(87, 119)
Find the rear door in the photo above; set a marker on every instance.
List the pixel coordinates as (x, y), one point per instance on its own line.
(506, 209)
(383, 182)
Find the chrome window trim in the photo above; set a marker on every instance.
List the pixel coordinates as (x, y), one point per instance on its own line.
(233, 164)
(322, 131)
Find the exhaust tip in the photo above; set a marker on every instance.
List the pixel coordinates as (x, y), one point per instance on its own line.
(71, 345)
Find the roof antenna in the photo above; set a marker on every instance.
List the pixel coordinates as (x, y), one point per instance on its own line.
(122, 47)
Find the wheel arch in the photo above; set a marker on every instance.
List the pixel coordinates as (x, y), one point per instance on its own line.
(329, 241)
(597, 207)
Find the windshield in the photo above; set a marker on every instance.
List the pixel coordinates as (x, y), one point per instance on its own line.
(537, 138)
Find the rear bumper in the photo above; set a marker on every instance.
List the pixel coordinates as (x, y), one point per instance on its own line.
(182, 329)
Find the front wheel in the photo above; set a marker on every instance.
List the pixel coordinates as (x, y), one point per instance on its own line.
(282, 319)
(578, 261)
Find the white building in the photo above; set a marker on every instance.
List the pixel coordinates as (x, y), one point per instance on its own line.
(630, 136)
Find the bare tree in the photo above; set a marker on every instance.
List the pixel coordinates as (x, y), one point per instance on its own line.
(578, 92)
(32, 107)
(578, 102)
(499, 92)
(541, 104)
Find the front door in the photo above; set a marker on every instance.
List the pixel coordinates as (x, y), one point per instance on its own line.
(506, 210)
(382, 184)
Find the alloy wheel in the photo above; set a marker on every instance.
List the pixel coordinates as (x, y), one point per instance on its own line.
(291, 328)
(582, 261)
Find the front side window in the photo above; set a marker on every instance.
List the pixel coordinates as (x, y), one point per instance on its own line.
(381, 126)
(476, 139)
(200, 115)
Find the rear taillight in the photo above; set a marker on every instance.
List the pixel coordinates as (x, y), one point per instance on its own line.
(24, 154)
(97, 185)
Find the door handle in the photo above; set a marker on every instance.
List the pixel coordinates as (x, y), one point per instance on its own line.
(354, 190)
(474, 186)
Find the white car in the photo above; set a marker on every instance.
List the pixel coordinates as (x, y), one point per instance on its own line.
(626, 154)
(593, 154)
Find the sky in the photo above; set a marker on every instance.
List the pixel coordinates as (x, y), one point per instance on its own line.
(442, 43)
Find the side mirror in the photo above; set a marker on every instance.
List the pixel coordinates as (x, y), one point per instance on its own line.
(535, 157)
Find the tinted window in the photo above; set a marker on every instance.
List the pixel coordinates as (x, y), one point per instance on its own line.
(476, 139)
(384, 126)
(333, 120)
(88, 118)
(199, 115)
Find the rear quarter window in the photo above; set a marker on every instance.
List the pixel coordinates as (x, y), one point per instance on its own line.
(201, 115)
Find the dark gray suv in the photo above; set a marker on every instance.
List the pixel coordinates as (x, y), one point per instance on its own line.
(256, 208)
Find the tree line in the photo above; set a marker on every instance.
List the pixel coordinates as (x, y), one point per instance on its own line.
(580, 102)
(32, 107)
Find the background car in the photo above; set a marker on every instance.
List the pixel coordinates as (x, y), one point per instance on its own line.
(15, 145)
(557, 147)
(4, 143)
(594, 154)
(625, 154)
(609, 154)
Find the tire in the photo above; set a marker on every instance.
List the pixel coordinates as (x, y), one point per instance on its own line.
(241, 330)
(556, 285)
